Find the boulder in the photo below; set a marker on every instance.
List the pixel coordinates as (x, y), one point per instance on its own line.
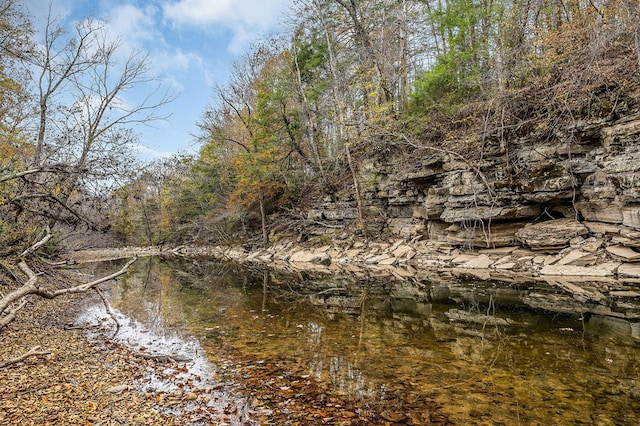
(629, 270)
(631, 217)
(552, 235)
(310, 257)
(600, 212)
(499, 234)
(604, 270)
(624, 253)
(630, 237)
(403, 251)
(406, 227)
(478, 262)
(591, 245)
(577, 258)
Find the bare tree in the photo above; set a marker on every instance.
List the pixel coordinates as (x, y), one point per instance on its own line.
(87, 85)
(82, 138)
(78, 144)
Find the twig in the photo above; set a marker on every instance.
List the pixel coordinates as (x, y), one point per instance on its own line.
(35, 351)
(329, 290)
(10, 316)
(60, 263)
(107, 307)
(38, 244)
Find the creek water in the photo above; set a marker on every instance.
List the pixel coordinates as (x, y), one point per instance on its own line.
(475, 348)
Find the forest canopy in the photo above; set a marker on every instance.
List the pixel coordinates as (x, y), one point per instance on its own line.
(347, 80)
(356, 79)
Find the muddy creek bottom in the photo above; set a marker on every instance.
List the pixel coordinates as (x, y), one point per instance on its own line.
(479, 357)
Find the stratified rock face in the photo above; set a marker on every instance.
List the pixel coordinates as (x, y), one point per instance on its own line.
(590, 172)
(552, 235)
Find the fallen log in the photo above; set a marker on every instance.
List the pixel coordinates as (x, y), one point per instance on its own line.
(163, 357)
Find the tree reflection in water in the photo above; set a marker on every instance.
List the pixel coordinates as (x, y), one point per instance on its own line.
(477, 349)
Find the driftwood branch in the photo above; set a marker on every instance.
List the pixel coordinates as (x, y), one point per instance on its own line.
(82, 288)
(107, 307)
(28, 288)
(10, 316)
(163, 357)
(31, 287)
(35, 351)
(38, 244)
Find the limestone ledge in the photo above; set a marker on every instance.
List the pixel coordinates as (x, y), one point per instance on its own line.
(590, 181)
(591, 276)
(586, 260)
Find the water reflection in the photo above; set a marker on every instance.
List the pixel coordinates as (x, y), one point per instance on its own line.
(484, 351)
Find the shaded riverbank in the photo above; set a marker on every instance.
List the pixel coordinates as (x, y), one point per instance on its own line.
(94, 374)
(588, 277)
(408, 352)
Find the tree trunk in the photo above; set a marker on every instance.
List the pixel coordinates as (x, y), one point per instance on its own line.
(263, 219)
(356, 184)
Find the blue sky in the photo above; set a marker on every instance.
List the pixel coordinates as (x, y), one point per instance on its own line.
(191, 43)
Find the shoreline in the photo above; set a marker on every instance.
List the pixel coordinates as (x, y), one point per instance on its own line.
(573, 280)
(616, 265)
(88, 376)
(82, 379)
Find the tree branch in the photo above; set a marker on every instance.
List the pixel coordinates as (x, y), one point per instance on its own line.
(38, 244)
(11, 315)
(16, 175)
(107, 307)
(31, 287)
(82, 288)
(35, 351)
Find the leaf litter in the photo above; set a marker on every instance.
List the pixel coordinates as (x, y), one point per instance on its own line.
(92, 378)
(96, 380)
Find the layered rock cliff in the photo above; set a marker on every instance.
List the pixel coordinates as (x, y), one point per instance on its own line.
(542, 192)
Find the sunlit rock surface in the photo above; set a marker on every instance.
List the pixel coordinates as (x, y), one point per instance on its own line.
(588, 173)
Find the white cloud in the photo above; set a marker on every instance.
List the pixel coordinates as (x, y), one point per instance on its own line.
(177, 60)
(149, 153)
(136, 26)
(138, 30)
(199, 12)
(245, 18)
(40, 10)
